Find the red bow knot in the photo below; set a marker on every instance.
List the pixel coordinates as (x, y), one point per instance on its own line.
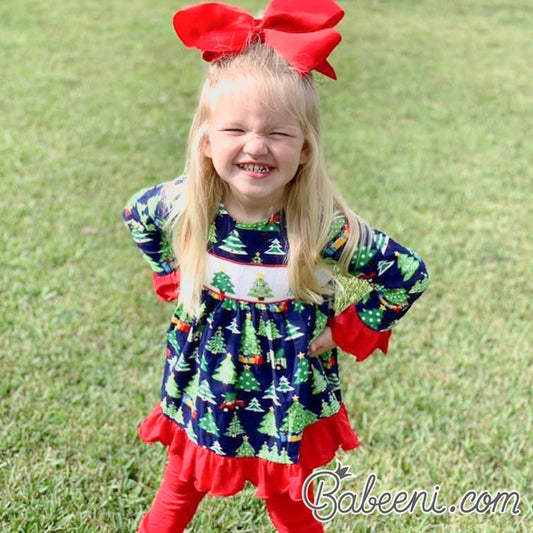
(301, 31)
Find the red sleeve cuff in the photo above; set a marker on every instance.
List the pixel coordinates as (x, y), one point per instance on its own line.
(166, 286)
(353, 336)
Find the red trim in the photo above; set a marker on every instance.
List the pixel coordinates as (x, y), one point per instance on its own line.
(354, 336)
(166, 286)
(224, 476)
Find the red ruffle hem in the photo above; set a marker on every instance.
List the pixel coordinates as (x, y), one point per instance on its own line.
(225, 476)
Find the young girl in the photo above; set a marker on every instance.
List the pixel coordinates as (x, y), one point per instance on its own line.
(245, 241)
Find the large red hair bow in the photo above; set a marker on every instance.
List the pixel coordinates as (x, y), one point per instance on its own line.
(299, 30)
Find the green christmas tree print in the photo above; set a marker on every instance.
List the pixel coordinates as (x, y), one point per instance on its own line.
(261, 330)
(275, 248)
(233, 244)
(297, 418)
(182, 364)
(271, 394)
(216, 343)
(298, 306)
(173, 342)
(172, 388)
(362, 256)
(268, 424)
(302, 372)
(407, 264)
(244, 306)
(229, 304)
(283, 457)
(420, 286)
(194, 355)
(293, 332)
(168, 408)
(269, 330)
(245, 449)
(235, 427)
(203, 363)
(382, 241)
(320, 324)
(233, 327)
(247, 381)
(222, 282)
(284, 385)
(264, 452)
(212, 236)
(372, 317)
(249, 342)
(192, 387)
(172, 363)
(204, 392)
(179, 416)
(326, 410)
(336, 227)
(217, 448)
(396, 296)
(255, 406)
(226, 371)
(190, 432)
(319, 381)
(260, 289)
(383, 266)
(208, 423)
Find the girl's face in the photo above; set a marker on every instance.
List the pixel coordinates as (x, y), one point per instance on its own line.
(255, 149)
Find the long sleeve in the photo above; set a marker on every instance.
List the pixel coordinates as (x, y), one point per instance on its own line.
(397, 277)
(145, 214)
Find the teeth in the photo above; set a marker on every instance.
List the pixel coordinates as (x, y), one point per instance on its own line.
(255, 168)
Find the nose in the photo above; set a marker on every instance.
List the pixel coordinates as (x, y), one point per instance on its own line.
(255, 145)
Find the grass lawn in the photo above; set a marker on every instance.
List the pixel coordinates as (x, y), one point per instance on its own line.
(427, 134)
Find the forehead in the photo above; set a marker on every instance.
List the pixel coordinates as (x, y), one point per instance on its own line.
(249, 102)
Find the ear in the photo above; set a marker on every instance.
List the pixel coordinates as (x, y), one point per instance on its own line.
(305, 154)
(205, 146)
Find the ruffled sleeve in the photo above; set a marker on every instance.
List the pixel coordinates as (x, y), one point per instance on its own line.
(145, 215)
(397, 277)
(166, 286)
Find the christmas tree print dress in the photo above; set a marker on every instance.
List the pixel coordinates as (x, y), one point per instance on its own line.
(241, 399)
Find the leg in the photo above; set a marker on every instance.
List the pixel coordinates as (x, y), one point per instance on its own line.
(174, 505)
(290, 516)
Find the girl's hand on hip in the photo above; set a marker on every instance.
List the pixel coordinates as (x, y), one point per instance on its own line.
(322, 343)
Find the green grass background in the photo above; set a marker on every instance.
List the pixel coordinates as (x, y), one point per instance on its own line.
(428, 133)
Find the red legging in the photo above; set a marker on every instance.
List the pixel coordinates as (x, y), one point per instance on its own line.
(177, 501)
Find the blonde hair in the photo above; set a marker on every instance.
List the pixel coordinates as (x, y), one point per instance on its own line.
(311, 199)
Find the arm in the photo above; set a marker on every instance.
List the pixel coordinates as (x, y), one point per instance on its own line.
(145, 214)
(397, 277)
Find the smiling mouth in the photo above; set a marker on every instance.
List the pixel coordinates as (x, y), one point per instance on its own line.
(258, 169)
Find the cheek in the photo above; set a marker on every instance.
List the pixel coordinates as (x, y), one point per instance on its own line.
(223, 150)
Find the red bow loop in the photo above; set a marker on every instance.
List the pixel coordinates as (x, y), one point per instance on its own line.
(302, 16)
(301, 31)
(214, 28)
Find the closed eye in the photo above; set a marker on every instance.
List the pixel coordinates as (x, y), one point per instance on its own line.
(235, 131)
